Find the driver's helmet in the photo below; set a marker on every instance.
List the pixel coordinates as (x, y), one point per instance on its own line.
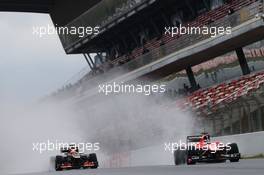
(73, 149)
(206, 138)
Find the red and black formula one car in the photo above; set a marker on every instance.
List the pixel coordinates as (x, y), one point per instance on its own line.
(200, 149)
(72, 159)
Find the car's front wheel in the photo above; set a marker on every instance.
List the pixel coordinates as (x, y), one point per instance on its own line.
(93, 158)
(58, 163)
(233, 151)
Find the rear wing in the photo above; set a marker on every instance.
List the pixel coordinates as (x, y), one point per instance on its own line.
(67, 149)
(64, 150)
(195, 138)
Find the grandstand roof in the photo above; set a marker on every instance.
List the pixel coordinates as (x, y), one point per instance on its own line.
(37, 6)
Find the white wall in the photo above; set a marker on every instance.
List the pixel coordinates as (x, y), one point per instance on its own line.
(249, 144)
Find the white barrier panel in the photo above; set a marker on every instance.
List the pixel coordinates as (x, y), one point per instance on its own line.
(249, 144)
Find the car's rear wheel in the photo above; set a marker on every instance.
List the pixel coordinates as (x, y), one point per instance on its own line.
(179, 157)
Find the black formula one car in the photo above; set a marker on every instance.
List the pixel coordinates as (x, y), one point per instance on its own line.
(199, 148)
(72, 159)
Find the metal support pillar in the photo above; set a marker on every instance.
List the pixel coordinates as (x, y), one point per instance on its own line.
(100, 57)
(90, 58)
(242, 61)
(86, 58)
(191, 78)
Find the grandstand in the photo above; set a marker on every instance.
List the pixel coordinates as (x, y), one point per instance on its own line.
(219, 78)
(219, 103)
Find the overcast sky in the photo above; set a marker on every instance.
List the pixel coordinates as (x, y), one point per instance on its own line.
(32, 67)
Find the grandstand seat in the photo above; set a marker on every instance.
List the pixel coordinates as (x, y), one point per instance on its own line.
(225, 92)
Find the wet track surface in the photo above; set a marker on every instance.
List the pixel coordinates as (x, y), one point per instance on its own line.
(244, 167)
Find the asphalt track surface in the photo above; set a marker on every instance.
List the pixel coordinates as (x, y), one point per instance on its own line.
(244, 167)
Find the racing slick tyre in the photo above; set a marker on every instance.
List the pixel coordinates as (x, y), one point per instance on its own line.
(93, 158)
(58, 163)
(234, 150)
(179, 157)
(84, 158)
